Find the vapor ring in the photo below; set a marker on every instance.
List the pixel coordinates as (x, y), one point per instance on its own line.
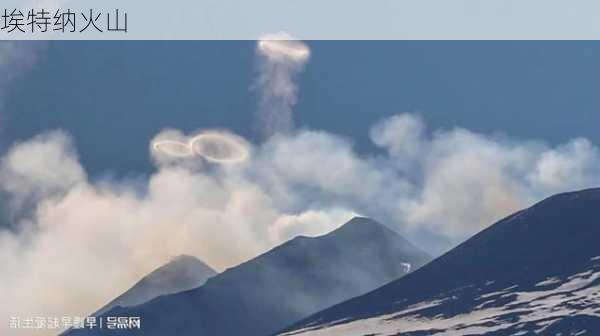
(218, 147)
(284, 49)
(173, 148)
(213, 146)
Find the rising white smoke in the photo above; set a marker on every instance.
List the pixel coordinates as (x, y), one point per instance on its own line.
(281, 59)
(90, 241)
(213, 195)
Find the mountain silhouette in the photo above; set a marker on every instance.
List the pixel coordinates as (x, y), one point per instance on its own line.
(291, 281)
(182, 273)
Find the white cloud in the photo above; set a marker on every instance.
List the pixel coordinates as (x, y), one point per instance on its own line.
(97, 238)
(90, 241)
(217, 197)
(572, 165)
(45, 165)
(401, 134)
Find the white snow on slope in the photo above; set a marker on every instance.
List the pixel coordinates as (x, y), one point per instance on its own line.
(576, 295)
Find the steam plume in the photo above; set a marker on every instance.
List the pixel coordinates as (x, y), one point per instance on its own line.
(281, 60)
(82, 242)
(90, 240)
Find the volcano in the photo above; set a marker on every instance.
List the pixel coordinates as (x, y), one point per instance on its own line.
(283, 285)
(536, 272)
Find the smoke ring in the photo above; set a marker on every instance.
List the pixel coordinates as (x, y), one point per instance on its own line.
(220, 148)
(173, 148)
(284, 49)
(213, 146)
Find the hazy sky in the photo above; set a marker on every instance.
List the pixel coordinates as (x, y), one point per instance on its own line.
(113, 97)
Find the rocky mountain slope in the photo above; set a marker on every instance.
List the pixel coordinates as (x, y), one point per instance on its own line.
(536, 272)
(291, 281)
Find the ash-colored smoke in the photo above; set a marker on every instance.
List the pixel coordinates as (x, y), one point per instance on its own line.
(281, 60)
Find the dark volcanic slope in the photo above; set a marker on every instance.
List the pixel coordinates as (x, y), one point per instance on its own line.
(281, 286)
(534, 272)
(180, 274)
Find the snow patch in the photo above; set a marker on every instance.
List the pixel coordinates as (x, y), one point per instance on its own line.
(576, 295)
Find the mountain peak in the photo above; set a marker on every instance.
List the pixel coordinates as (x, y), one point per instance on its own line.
(355, 227)
(185, 258)
(284, 284)
(359, 221)
(360, 226)
(182, 273)
(359, 232)
(182, 264)
(532, 270)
